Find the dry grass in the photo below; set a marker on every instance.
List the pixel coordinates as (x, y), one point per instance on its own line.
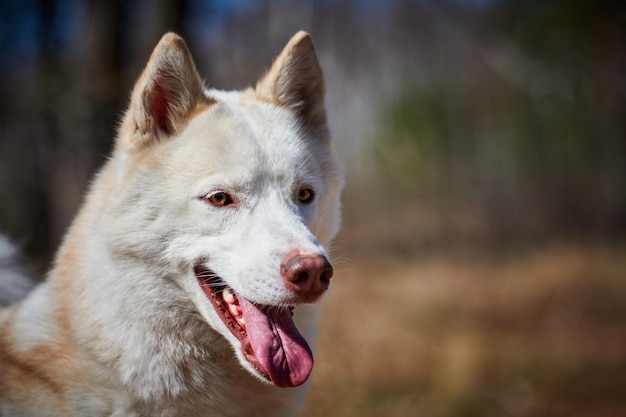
(540, 332)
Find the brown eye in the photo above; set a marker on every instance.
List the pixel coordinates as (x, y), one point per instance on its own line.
(220, 199)
(306, 195)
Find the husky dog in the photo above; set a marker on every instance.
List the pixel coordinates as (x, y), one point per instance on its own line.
(200, 242)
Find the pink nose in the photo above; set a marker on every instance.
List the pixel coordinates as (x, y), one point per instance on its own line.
(307, 275)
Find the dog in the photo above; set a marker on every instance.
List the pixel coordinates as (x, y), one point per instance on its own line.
(201, 243)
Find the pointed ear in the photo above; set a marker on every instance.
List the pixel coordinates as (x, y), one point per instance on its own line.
(295, 81)
(166, 95)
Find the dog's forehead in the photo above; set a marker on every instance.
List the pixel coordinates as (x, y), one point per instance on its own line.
(240, 131)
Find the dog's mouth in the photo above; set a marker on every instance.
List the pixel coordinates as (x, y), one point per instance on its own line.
(270, 341)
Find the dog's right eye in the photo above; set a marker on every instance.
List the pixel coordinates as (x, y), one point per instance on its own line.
(220, 199)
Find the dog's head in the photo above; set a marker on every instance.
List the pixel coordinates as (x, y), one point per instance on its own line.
(234, 195)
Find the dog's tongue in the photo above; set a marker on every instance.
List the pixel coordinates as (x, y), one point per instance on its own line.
(277, 344)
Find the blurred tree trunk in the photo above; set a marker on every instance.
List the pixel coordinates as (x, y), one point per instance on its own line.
(37, 214)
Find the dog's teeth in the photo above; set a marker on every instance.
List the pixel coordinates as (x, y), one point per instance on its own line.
(241, 321)
(228, 295)
(234, 310)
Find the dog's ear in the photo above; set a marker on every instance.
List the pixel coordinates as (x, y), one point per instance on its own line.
(166, 95)
(295, 81)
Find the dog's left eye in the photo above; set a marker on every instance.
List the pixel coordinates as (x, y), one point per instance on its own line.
(220, 199)
(306, 195)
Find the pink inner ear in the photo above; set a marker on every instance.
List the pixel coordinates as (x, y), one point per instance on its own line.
(159, 110)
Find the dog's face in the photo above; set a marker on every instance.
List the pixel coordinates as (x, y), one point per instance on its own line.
(234, 194)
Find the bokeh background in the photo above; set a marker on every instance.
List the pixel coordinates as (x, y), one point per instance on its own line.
(481, 270)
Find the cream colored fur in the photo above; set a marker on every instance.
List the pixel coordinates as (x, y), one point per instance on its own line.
(121, 326)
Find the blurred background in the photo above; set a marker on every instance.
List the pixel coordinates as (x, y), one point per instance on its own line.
(481, 270)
